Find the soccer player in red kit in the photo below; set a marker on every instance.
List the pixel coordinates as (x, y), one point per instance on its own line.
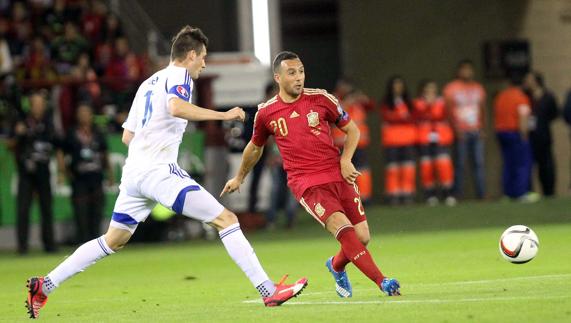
(322, 180)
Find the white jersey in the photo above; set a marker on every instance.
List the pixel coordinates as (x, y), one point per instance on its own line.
(157, 133)
(151, 174)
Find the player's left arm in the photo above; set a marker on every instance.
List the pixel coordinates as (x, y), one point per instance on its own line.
(336, 114)
(348, 170)
(127, 136)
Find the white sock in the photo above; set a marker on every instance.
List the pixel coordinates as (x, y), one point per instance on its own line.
(244, 256)
(84, 256)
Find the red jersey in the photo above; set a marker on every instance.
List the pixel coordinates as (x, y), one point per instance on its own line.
(302, 131)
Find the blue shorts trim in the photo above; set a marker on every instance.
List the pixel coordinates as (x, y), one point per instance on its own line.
(123, 218)
(179, 202)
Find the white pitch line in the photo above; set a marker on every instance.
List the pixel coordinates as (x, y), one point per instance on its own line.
(464, 282)
(419, 301)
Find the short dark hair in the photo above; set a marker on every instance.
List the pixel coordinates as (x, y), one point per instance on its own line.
(282, 56)
(465, 62)
(188, 38)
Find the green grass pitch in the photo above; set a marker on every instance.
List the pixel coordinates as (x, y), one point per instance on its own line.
(446, 259)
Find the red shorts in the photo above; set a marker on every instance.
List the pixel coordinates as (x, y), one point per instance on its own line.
(325, 199)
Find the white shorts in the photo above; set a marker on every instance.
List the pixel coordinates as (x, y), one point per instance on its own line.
(168, 185)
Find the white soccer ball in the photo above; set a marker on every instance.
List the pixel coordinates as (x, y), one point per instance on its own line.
(519, 244)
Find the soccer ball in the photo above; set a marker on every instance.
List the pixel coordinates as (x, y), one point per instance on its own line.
(519, 244)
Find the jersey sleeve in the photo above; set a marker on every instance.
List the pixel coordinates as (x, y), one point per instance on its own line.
(335, 113)
(131, 121)
(178, 85)
(261, 133)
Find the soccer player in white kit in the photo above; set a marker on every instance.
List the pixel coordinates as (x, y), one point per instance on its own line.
(153, 131)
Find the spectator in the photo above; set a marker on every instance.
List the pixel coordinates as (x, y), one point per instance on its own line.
(124, 63)
(93, 21)
(9, 93)
(32, 140)
(399, 139)
(466, 99)
(89, 89)
(57, 16)
(281, 197)
(103, 54)
(67, 48)
(6, 65)
(19, 31)
(435, 138)
(37, 64)
(122, 71)
(543, 111)
(87, 151)
(511, 117)
(112, 29)
(567, 115)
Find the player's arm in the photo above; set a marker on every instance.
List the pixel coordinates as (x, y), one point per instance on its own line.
(348, 170)
(127, 136)
(250, 158)
(186, 110)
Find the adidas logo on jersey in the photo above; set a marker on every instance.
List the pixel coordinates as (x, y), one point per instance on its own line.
(293, 115)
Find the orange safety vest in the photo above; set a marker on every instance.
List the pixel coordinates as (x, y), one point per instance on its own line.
(432, 122)
(398, 128)
(359, 116)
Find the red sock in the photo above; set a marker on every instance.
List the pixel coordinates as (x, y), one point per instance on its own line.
(340, 261)
(358, 254)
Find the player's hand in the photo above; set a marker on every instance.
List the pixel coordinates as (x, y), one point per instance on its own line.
(231, 186)
(348, 171)
(235, 114)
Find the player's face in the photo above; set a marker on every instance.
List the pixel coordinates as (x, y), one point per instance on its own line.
(197, 63)
(291, 77)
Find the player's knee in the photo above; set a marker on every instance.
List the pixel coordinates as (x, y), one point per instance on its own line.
(116, 244)
(362, 230)
(224, 220)
(116, 239)
(364, 239)
(336, 221)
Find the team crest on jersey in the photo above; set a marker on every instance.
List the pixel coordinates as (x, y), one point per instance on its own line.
(319, 209)
(182, 91)
(313, 119)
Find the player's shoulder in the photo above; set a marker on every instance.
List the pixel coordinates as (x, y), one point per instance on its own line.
(271, 101)
(321, 94)
(177, 74)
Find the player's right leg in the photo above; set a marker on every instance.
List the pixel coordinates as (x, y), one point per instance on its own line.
(194, 201)
(86, 255)
(129, 210)
(354, 250)
(244, 256)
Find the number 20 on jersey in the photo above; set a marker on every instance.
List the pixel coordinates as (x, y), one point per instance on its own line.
(279, 125)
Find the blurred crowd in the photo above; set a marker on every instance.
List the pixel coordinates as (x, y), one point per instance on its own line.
(76, 49)
(438, 132)
(62, 63)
